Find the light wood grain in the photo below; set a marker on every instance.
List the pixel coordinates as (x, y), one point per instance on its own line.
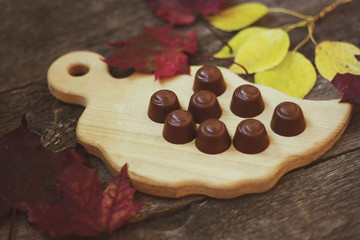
(115, 127)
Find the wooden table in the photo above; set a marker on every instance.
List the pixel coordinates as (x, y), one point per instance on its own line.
(319, 201)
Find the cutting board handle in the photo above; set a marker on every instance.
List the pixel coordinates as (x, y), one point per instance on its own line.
(71, 76)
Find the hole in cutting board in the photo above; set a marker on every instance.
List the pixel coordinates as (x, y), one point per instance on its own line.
(78, 69)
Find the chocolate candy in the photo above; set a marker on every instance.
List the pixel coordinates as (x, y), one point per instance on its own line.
(247, 101)
(204, 105)
(212, 137)
(120, 73)
(288, 119)
(161, 103)
(251, 137)
(209, 78)
(179, 127)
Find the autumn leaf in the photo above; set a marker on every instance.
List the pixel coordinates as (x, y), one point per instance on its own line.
(184, 12)
(29, 170)
(84, 209)
(41, 182)
(239, 16)
(295, 76)
(262, 51)
(237, 41)
(333, 57)
(349, 85)
(157, 50)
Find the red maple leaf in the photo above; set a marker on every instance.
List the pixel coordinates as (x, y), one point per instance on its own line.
(59, 193)
(349, 85)
(157, 50)
(28, 171)
(84, 209)
(184, 12)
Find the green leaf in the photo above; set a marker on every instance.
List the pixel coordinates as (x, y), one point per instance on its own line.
(263, 51)
(333, 57)
(239, 16)
(237, 41)
(295, 76)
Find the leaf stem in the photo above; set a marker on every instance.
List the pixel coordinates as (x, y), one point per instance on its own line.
(305, 40)
(330, 8)
(290, 27)
(309, 21)
(322, 14)
(289, 12)
(208, 26)
(13, 215)
(222, 59)
(311, 27)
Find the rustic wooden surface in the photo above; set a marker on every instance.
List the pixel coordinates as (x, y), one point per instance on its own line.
(319, 201)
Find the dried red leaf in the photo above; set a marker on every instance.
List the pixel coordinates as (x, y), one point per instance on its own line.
(81, 153)
(157, 50)
(349, 85)
(28, 171)
(58, 192)
(84, 209)
(184, 12)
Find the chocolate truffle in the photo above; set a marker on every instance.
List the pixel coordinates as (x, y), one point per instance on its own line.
(288, 119)
(161, 103)
(251, 137)
(212, 137)
(247, 101)
(179, 127)
(204, 105)
(209, 78)
(120, 72)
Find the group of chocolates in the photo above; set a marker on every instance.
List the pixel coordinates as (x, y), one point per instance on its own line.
(212, 136)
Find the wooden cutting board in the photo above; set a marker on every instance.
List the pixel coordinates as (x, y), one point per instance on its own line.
(115, 127)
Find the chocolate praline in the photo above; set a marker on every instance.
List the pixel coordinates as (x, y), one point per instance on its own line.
(179, 127)
(204, 105)
(210, 78)
(288, 119)
(251, 137)
(161, 103)
(247, 101)
(212, 137)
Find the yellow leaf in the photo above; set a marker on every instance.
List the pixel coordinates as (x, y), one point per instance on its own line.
(295, 76)
(336, 57)
(262, 51)
(239, 16)
(236, 41)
